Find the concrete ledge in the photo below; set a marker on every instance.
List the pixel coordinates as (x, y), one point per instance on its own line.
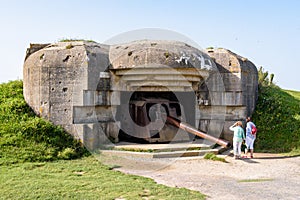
(173, 154)
(161, 147)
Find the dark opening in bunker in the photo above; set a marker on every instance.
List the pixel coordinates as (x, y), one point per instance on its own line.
(143, 115)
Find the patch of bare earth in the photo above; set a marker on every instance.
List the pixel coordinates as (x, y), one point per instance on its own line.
(267, 176)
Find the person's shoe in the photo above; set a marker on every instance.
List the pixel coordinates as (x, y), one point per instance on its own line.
(251, 156)
(244, 157)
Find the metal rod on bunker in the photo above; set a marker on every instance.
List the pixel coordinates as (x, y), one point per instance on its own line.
(191, 129)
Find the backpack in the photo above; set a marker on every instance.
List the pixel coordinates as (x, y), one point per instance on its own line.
(253, 130)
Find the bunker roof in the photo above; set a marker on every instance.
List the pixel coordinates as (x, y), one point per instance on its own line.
(169, 53)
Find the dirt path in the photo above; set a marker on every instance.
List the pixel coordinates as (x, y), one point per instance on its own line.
(267, 176)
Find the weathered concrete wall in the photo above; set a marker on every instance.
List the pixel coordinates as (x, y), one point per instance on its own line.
(240, 82)
(78, 85)
(58, 77)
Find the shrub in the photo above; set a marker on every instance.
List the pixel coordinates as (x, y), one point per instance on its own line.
(276, 118)
(67, 154)
(69, 46)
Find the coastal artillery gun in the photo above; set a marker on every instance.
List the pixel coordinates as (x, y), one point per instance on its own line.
(159, 120)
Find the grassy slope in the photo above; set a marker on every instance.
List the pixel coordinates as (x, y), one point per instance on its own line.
(277, 117)
(26, 137)
(28, 143)
(84, 178)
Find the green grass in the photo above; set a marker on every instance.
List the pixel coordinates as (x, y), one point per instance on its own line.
(75, 40)
(136, 150)
(26, 137)
(255, 180)
(40, 161)
(295, 94)
(277, 116)
(69, 46)
(84, 178)
(294, 152)
(212, 156)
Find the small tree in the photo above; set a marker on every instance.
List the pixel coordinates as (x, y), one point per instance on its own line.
(271, 79)
(263, 77)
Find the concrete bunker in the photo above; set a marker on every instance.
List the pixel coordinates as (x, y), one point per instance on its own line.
(95, 90)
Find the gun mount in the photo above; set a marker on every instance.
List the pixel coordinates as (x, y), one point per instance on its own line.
(192, 130)
(157, 119)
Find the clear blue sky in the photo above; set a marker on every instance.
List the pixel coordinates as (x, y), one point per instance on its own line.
(267, 32)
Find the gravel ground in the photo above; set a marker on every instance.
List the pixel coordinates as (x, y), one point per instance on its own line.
(267, 176)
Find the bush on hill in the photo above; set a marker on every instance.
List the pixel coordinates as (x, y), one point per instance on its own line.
(277, 116)
(26, 137)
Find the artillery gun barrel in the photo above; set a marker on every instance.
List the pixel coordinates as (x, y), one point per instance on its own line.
(188, 128)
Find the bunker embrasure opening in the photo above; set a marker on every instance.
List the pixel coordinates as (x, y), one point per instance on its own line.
(143, 115)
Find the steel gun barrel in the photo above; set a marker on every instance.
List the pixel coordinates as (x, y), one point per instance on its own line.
(188, 128)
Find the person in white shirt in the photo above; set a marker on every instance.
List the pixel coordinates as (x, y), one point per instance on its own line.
(250, 136)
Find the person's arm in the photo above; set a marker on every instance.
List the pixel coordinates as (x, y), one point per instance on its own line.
(232, 127)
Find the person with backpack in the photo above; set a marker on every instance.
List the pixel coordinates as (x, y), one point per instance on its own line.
(251, 131)
(238, 137)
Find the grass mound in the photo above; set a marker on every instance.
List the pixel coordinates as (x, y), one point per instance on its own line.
(277, 116)
(212, 156)
(26, 137)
